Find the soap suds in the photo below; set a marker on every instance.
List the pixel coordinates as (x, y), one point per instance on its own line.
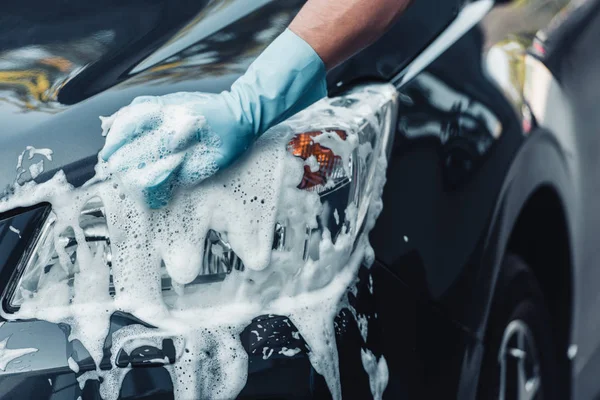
(36, 169)
(363, 326)
(266, 352)
(340, 147)
(289, 352)
(47, 153)
(377, 371)
(15, 230)
(32, 151)
(8, 355)
(243, 204)
(312, 163)
(258, 337)
(572, 351)
(73, 365)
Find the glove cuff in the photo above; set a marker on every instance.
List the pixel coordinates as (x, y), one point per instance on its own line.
(286, 78)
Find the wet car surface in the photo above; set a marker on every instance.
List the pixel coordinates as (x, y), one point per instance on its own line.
(473, 153)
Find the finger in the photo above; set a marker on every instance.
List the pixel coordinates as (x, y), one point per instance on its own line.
(201, 162)
(106, 123)
(127, 124)
(190, 112)
(189, 128)
(116, 138)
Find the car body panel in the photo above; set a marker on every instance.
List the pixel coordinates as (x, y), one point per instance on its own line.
(530, 154)
(99, 83)
(54, 93)
(575, 68)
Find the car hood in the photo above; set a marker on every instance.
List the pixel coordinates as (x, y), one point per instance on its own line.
(63, 67)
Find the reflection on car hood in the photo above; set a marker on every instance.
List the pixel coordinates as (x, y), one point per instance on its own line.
(60, 70)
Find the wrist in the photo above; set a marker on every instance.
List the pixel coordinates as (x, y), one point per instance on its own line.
(287, 77)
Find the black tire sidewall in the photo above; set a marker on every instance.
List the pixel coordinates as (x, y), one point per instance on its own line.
(519, 297)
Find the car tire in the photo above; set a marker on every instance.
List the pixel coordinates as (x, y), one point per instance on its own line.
(519, 340)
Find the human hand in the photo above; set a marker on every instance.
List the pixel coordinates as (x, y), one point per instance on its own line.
(159, 143)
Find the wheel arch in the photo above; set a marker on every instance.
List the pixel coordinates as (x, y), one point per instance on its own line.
(533, 218)
(540, 237)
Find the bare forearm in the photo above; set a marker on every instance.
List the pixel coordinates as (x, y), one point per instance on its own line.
(338, 29)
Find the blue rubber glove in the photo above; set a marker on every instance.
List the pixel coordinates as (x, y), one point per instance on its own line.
(160, 143)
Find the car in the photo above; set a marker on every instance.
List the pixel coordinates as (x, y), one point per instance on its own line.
(483, 282)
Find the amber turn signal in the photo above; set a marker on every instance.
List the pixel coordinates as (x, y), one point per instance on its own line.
(303, 146)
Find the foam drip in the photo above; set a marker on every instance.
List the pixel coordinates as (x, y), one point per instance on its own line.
(8, 355)
(377, 371)
(243, 203)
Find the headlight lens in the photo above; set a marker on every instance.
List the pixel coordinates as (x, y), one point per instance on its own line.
(372, 108)
(326, 171)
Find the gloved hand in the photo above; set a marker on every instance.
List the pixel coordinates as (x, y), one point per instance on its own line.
(159, 143)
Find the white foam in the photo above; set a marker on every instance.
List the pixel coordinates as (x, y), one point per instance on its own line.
(267, 353)
(8, 355)
(572, 351)
(363, 326)
(36, 169)
(340, 147)
(73, 365)
(15, 230)
(47, 153)
(312, 163)
(243, 204)
(258, 337)
(289, 352)
(377, 371)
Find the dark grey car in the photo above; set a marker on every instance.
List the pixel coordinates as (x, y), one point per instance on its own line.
(485, 282)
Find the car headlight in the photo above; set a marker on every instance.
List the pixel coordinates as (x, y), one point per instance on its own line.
(340, 180)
